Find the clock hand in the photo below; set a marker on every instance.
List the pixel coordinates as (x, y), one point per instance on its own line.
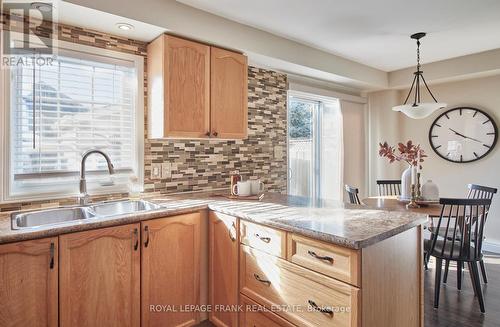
(457, 133)
(464, 136)
(470, 138)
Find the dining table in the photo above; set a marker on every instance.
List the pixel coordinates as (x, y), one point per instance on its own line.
(391, 203)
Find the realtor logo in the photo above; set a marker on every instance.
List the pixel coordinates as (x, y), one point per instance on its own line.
(28, 28)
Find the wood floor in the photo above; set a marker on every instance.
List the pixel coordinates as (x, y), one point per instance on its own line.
(460, 308)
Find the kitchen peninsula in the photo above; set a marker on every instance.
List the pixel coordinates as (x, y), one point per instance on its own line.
(302, 264)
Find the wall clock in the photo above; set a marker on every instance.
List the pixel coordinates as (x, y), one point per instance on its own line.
(463, 134)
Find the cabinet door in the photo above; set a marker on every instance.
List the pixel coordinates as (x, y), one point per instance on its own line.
(28, 283)
(229, 88)
(99, 281)
(170, 271)
(187, 88)
(223, 268)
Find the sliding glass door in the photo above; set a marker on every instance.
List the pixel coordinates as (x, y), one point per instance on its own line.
(314, 147)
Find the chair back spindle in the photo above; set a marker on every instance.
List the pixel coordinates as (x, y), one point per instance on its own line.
(480, 192)
(388, 187)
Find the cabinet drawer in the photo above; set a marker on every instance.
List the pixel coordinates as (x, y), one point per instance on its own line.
(331, 260)
(264, 238)
(295, 293)
(255, 315)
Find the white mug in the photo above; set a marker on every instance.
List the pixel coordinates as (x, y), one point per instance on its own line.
(257, 186)
(242, 188)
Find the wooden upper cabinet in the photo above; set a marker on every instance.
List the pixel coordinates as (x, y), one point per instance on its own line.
(171, 270)
(228, 94)
(223, 268)
(28, 283)
(99, 277)
(179, 88)
(195, 90)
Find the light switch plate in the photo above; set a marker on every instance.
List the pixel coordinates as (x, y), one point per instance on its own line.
(166, 170)
(156, 171)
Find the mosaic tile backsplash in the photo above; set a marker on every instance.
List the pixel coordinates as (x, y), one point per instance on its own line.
(200, 165)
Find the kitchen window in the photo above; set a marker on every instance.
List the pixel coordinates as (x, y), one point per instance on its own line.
(315, 146)
(87, 98)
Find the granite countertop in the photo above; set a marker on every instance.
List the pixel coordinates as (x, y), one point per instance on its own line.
(346, 225)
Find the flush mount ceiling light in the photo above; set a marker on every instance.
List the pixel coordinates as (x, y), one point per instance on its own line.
(125, 26)
(419, 110)
(41, 6)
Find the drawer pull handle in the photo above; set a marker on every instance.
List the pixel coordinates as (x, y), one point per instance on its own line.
(319, 257)
(263, 238)
(257, 277)
(322, 310)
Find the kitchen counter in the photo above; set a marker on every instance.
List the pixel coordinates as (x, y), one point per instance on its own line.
(345, 225)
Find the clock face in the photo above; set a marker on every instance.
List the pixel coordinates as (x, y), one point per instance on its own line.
(463, 134)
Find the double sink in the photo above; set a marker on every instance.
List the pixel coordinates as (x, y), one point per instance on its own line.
(57, 216)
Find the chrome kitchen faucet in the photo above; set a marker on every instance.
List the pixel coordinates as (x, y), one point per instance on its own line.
(83, 198)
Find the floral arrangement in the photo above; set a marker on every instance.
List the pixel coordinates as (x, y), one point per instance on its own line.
(411, 153)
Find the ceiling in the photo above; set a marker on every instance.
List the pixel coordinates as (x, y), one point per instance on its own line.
(71, 14)
(375, 33)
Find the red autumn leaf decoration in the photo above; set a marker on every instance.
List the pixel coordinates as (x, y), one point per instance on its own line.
(408, 152)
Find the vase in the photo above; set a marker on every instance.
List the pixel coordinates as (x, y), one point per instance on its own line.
(430, 191)
(406, 183)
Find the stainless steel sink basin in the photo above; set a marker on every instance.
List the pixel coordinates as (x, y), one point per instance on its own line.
(56, 216)
(122, 207)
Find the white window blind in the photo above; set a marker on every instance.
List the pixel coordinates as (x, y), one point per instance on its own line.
(59, 111)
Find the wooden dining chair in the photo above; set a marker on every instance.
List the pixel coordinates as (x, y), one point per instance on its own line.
(353, 194)
(474, 192)
(387, 187)
(463, 222)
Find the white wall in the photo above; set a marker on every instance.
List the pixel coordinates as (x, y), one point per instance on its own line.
(383, 125)
(452, 178)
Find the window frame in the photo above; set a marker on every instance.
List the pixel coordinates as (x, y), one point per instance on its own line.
(6, 175)
(317, 117)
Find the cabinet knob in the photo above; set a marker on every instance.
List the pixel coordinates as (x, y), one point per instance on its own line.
(207, 133)
(215, 133)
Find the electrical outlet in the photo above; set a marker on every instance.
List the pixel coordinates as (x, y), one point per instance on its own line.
(166, 170)
(156, 171)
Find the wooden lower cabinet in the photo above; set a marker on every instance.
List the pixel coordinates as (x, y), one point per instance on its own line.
(255, 315)
(170, 270)
(28, 283)
(99, 281)
(223, 268)
(303, 297)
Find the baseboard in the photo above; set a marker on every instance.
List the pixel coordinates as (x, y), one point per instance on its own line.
(491, 247)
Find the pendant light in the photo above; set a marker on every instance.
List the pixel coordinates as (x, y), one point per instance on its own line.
(419, 110)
